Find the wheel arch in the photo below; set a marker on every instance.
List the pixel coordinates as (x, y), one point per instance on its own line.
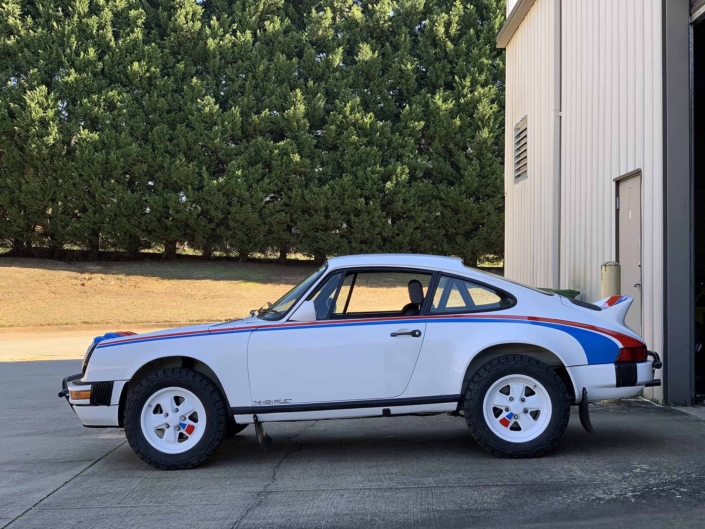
(535, 351)
(165, 362)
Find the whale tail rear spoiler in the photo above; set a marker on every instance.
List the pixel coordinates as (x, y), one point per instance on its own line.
(614, 308)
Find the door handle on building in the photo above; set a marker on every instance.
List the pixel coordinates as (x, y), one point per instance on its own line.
(637, 284)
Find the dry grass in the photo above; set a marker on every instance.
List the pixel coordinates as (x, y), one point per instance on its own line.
(39, 292)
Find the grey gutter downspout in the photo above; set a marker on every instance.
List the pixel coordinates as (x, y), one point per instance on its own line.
(677, 206)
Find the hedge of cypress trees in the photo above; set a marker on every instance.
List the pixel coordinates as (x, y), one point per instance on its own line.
(242, 126)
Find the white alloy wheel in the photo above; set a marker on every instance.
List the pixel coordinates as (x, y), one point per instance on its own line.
(517, 408)
(173, 420)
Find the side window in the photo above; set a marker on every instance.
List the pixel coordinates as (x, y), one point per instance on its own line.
(373, 294)
(459, 295)
(323, 299)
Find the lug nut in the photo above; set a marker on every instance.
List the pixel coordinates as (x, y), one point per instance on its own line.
(182, 418)
(526, 411)
(523, 399)
(177, 428)
(166, 414)
(506, 409)
(176, 410)
(511, 399)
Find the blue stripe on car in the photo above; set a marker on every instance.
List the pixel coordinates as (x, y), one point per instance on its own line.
(598, 348)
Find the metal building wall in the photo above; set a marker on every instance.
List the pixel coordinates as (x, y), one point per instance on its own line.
(530, 242)
(612, 123)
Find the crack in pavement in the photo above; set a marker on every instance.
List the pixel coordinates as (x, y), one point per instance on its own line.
(257, 500)
(62, 485)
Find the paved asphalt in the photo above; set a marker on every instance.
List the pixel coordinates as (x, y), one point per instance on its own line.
(644, 468)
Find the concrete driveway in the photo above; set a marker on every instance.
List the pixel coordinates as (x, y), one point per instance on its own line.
(645, 467)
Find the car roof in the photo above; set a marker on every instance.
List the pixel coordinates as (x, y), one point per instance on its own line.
(433, 262)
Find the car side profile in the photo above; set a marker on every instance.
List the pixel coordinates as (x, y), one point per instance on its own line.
(369, 336)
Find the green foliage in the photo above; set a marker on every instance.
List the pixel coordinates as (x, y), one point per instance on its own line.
(242, 126)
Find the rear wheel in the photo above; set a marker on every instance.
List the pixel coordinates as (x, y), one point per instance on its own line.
(175, 418)
(517, 407)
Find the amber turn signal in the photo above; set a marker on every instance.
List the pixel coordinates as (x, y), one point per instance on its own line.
(80, 394)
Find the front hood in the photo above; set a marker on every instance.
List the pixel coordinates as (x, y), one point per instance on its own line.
(127, 337)
(110, 339)
(250, 321)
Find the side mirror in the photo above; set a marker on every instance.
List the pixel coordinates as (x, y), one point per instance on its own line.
(306, 312)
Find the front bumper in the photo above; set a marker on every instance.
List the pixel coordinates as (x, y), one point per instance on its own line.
(101, 408)
(607, 381)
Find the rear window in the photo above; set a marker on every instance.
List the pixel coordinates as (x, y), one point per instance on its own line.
(459, 295)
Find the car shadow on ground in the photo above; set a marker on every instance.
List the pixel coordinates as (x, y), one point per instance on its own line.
(440, 436)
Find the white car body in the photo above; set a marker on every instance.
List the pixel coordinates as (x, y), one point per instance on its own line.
(301, 369)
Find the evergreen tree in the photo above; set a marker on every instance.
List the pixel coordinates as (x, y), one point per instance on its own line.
(252, 126)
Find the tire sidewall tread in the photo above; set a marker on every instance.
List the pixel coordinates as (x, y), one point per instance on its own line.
(216, 413)
(516, 364)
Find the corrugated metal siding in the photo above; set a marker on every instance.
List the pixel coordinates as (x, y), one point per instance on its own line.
(612, 123)
(530, 244)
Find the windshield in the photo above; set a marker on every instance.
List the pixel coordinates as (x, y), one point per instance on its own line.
(284, 304)
(540, 291)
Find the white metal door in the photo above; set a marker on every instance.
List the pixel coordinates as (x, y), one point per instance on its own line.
(339, 361)
(629, 245)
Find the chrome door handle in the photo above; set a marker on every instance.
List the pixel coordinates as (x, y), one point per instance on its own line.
(414, 334)
(637, 284)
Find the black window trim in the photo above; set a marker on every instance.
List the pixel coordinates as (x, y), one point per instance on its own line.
(360, 269)
(428, 298)
(432, 293)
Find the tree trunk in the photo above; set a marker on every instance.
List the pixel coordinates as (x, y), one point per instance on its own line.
(470, 259)
(133, 252)
(282, 255)
(319, 259)
(17, 248)
(169, 249)
(93, 248)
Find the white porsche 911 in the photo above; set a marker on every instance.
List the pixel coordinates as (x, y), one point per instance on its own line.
(369, 336)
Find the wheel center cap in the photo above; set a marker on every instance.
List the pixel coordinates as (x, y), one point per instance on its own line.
(516, 408)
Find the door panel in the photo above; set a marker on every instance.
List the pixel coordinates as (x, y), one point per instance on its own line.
(333, 361)
(629, 245)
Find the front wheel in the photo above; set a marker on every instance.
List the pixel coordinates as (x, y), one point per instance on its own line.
(517, 407)
(175, 418)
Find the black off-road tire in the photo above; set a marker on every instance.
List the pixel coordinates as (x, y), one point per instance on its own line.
(498, 368)
(216, 417)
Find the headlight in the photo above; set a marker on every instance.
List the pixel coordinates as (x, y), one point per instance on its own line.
(87, 357)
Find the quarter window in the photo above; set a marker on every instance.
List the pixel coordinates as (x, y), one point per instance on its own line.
(458, 295)
(323, 299)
